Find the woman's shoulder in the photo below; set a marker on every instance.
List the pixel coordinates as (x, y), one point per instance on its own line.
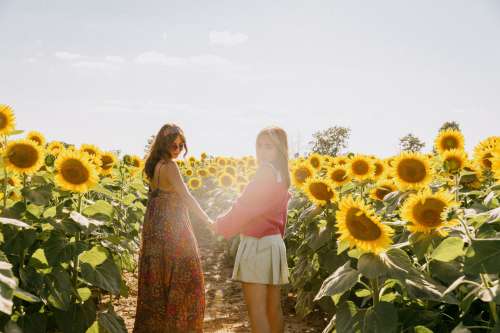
(266, 172)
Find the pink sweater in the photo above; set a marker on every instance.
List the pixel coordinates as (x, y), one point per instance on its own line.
(260, 210)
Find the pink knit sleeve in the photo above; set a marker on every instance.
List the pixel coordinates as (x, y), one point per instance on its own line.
(259, 197)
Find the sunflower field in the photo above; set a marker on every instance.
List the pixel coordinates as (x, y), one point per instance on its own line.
(406, 243)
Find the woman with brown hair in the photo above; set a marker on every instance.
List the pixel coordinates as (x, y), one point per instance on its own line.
(259, 215)
(171, 292)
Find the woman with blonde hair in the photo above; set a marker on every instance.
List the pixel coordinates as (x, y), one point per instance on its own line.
(259, 215)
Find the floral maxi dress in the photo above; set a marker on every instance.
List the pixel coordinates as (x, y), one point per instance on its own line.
(171, 292)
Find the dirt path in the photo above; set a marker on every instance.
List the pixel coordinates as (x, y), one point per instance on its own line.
(226, 311)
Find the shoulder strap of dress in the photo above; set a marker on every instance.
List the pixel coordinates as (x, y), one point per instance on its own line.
(276, 172)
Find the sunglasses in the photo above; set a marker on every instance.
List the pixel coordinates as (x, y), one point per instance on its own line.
(176, 146)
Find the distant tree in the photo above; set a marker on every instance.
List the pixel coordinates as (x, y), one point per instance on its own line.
(450, 124)
(149, 144)
(330, 141)
(411, 143)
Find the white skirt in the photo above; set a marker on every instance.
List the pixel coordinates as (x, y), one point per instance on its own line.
(261, 260)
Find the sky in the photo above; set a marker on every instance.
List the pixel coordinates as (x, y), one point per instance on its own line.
(111, 73)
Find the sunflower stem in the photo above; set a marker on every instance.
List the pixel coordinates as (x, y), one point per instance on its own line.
(24, 189)
(492, 305)
(375, 291)
(77, 239)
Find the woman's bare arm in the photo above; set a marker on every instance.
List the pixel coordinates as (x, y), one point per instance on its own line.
(175, 179)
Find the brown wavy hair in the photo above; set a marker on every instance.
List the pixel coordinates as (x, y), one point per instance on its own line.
(280, 140)
(161, 145)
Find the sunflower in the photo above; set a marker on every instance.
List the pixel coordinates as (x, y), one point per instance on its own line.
(194, 183)
(412, 171)
(300, 173)
(251, 163)
(341, 160)
(221, 161)
(7, 119)
(202, 173)
(74, 172)
(136, 162)
(496, 166)
(358, 224)
(203, 156)
(471, 176)
(226, 180)
(189, 172)
(315, 160)
(36, 136)
(55, 147)
(361, 167)
(90, 149)
(14, 181)
(449, 139)
(23, 156)
(380, 169)
(426, 211)
(454, 160)
(339, 175)
(382, 188)
(192, 159)
(108, 160)
(212, 170)
(319, 191)
(484, 151)
(230, 170)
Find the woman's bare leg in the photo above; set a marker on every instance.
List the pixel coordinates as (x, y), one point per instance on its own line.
(274, 310)
(256, 299)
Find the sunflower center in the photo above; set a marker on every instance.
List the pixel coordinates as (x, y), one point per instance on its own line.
(23, 155)
(315, 162)
(381, 192)
(321, 191)
(411, 170)
(302, 174)
(107, 162)
(89, 151)
(3, 121)
(360, 167)
(429, 212)
(195, 183)
(339, 175)
(378, 169)
(361, 226)
(36, 139)
(450, 142)
(486, 160)
(453, 163)
(74, 172)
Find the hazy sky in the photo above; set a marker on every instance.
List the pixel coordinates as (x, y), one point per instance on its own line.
(113, 72)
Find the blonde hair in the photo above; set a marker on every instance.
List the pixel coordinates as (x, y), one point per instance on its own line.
(279, 138)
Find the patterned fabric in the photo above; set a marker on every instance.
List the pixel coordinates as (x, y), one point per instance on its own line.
(171, 291)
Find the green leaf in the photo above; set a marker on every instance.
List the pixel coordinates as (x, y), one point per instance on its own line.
(26, 296)
(343, 279)
(38, 260)
(449, 249)
(348, 318)
(105, 276)
(94, 257)
(78, 318)
(35, 210)
(112, 322)
(60, 288)
(14, 222)
(482, 257)
(40, 196)
(382, 318)
(422, 329)
(371, 266)
(50, 212)
(84, 293)
(99, 207)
